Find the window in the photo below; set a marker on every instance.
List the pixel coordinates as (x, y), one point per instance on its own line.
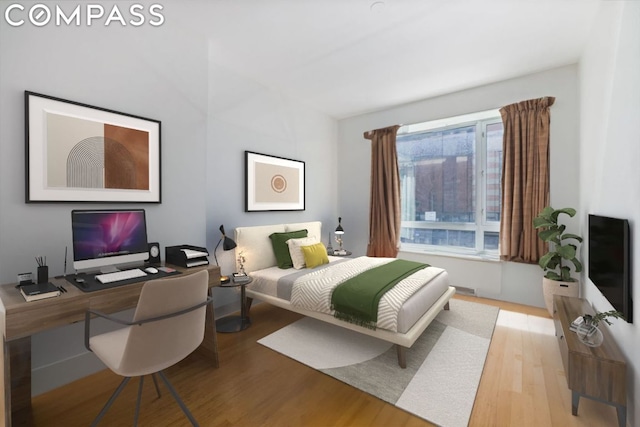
(450, 173)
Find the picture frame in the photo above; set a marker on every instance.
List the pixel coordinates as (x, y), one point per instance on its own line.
(76, 152)
(273, 183)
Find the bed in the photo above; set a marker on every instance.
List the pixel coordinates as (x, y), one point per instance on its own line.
(430, 292)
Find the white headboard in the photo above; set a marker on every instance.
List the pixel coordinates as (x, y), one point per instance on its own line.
(256, 246)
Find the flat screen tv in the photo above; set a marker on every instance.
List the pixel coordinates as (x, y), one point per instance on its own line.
(610, 261)
(107, 238)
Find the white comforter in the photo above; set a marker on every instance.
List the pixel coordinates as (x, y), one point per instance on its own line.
(313, 290)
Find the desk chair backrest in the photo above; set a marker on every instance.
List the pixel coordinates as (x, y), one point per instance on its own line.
(154, 346)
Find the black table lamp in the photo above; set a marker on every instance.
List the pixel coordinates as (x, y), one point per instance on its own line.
(227, 245)
(339, 232)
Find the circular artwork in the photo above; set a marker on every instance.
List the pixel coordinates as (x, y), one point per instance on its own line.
(278, 183)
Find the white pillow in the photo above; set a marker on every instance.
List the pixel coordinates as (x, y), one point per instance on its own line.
(296, 253)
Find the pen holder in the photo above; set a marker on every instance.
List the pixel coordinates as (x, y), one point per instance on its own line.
(43, 274)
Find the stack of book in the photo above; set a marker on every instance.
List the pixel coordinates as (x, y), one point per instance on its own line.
(574, 325)
(39, 291)
(241, 278)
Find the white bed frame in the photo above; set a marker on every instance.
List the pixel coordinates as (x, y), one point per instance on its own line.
(256, 247)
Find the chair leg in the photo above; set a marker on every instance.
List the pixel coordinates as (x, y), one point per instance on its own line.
(177, 398)
(137, 414)
(110, 401)
(155, 382)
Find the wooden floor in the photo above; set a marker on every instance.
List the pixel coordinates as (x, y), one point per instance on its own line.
(523, 384)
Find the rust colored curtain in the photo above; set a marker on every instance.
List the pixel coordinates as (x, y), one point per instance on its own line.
(384, 210)
(525, 177)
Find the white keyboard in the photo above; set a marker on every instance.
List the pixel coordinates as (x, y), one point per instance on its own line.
(117, 276)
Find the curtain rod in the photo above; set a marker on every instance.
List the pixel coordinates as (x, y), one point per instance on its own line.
(368, 134)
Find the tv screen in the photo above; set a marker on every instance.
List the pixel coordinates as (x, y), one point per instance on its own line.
(609, 261)
(108, 237)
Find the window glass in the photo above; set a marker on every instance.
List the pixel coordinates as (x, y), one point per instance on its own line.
(494, 171)
(439, 171)
(491, 240)
(451, 176)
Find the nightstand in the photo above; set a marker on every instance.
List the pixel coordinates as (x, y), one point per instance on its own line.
(235, 323)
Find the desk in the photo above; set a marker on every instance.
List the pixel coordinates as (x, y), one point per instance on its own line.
(20, 319)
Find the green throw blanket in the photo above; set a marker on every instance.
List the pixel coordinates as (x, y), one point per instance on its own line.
(356, 300)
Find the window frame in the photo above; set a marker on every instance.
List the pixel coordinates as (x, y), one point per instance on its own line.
(481, 225)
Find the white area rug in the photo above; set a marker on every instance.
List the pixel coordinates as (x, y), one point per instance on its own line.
(443, 371)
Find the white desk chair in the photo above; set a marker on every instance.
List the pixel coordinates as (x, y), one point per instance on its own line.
(167, 326)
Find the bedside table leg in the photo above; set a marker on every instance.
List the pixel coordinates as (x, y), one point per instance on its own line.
(622, 415)
(248, 302)
(575, 400)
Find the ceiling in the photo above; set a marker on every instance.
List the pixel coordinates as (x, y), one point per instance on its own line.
(349, 57)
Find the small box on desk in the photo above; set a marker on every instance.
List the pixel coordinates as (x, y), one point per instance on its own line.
(186, 255)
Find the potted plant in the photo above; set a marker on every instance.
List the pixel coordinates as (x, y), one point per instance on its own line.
(562, 253)
(594, 320)
(588, 331)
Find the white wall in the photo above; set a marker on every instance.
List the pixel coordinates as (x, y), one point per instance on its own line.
(505, 280)
(609, 155)
(246, 115)
(108, 68)
(209, 116)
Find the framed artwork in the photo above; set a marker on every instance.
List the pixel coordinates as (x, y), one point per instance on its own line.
(273, 183)
(80, 153)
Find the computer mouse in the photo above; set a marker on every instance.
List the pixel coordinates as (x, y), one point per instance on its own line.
(151, 270)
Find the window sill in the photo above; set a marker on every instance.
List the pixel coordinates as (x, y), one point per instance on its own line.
(494, 258)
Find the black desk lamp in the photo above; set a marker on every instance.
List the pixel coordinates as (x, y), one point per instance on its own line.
(227, 245)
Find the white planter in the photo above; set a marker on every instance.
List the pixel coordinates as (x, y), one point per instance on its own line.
(556, 287)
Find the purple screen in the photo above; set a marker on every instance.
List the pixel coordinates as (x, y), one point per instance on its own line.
(100, 234)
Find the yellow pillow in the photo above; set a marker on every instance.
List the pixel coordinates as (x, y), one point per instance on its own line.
(315, 255)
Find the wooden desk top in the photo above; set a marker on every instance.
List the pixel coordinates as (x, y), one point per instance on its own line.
(24, 318)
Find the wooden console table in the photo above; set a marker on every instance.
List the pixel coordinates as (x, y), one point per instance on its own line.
(20, 319)
(599, 373)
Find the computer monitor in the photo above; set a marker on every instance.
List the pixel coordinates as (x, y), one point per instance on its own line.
(105, 238)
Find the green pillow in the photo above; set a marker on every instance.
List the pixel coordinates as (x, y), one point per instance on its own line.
(315, 255)
(281, 249)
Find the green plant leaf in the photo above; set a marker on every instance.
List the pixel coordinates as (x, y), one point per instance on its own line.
(549, 261)
(552, 275)
(603, 316)
(569, 211)
(565, 273)
(571, 236)
(577, 264)
(566, 251)
(547, 212)
(539, 222)
(549, 235)
(546, 259)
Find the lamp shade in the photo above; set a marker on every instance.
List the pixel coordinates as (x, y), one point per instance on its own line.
(227, 245)
(227, 242)
(339, 229)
